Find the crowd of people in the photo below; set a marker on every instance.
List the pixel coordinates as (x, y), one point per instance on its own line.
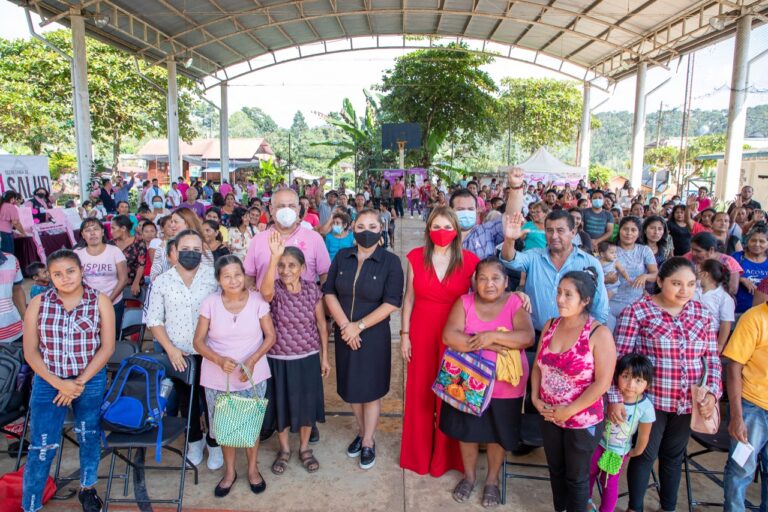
(604, 307)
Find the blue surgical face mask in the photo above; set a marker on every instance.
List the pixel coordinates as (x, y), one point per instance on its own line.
(337, 229)
(597, 203)
(467, 219)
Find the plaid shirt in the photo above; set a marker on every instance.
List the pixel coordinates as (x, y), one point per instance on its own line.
(484, 238)
(675, 346)
(68, 339)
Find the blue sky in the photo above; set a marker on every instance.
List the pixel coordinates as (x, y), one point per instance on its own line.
(320, 84)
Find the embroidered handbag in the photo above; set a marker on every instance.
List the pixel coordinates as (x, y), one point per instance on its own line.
(698, 394)
(237, 420)
(465, 381)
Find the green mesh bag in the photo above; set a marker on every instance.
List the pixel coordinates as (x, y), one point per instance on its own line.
(237, 420)
(610, 462)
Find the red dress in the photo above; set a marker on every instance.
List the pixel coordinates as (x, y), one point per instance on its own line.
(424, 449)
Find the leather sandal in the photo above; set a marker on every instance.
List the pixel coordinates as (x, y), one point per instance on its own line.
(281, 463)
(463, 490)
(309, 461)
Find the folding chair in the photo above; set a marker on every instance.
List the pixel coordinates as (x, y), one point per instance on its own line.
(17, 408)
(173, 428)
(132, 328)
(715, 443)
(530, 434)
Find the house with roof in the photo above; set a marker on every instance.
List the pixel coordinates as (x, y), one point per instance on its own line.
(201, 158)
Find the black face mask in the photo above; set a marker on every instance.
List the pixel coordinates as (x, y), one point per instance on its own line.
(41, 196)
(367, 238)
(190, 260)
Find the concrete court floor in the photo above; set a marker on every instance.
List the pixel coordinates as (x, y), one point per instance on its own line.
(340, 484)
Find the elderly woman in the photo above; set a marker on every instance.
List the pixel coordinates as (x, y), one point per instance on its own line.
(104, 266)
(234, 333)
(364, 287)
(493, 322)
(174, 303)
(574, 368)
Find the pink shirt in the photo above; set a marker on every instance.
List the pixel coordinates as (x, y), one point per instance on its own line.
(100, 271)
(398, 189)
(183, 187)
(474, 325)
(8, 213)
(310, 243)
(704, 203)
(235, 336)
(225, 189)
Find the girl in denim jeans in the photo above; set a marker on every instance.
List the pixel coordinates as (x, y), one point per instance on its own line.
(69, 335)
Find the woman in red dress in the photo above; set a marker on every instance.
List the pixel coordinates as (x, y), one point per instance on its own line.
(438, 274)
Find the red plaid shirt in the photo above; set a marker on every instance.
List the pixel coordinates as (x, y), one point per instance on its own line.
(68, 339)
(675, 346)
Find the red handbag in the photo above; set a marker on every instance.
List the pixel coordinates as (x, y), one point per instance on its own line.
(11, 490)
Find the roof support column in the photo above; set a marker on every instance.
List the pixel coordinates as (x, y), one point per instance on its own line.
(737, 111)
(638, 128)
(172, 105)
(81, 103)
(586, 133)
(224, 133)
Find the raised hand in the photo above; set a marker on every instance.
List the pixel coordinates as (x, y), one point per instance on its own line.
(276, 245)
(515, 177)
(513, 226)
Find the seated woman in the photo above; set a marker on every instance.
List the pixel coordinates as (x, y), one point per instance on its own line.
(490, 320)
(69, 335)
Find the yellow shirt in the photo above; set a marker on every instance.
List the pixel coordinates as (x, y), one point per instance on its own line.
(749, 346)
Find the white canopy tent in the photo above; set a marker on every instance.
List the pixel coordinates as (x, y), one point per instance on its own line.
(544, 167)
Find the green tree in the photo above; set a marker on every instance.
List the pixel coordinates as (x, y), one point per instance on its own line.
(446, 91)
(36, 97)
(540, 111)
(299, 126)
(600, 173)
(360, 139)
(262, 122)
(242, 126)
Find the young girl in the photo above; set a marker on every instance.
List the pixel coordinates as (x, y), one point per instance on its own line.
(299, 359)
(69, 335)
(633, 374)
(607, 253)
(714, 279)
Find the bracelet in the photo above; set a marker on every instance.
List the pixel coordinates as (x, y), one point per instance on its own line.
(403, 332)
(518, 188)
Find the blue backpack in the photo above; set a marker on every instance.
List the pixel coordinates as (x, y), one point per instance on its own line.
(133, 403)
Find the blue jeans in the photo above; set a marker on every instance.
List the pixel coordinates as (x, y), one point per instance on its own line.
(738, 478)
(46, 423)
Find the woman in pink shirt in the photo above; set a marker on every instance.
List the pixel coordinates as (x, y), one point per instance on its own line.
(9, 219)
(234, 329)
(492, 321)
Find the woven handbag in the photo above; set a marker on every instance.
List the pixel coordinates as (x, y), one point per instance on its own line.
(465, 381)
(237, 420)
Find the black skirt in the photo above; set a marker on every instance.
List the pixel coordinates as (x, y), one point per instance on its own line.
(363, 375)
(295, 393)
(496, 425)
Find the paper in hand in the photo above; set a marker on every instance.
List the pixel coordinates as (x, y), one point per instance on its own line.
(741, 453)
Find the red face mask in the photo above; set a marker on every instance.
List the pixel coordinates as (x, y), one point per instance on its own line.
(442, 237)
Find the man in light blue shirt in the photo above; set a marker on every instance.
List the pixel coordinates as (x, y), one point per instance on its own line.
(122, 190)
(545, 267)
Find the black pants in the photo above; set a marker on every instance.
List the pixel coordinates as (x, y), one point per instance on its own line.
(196, 408)
(668, 441)
(569, 454)
(399, 206)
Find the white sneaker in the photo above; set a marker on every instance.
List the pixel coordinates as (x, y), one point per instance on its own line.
(215, 458)
(195, 452)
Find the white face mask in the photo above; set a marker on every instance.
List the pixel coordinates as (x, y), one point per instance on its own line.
(286, 217)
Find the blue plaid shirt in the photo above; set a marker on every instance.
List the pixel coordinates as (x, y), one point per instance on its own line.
(484, 238)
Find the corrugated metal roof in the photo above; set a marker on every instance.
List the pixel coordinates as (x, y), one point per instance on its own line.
(226, 38)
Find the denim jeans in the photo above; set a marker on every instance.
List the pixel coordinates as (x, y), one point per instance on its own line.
(738, 478)
(46, 423)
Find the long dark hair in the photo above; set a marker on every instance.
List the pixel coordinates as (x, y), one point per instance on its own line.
(661, 244)
(457, 258)
(720, 274)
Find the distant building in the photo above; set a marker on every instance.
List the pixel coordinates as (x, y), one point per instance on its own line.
(202, 157)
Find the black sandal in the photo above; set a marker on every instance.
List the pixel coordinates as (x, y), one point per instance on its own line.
(281, 462)
(463, 490)
(309, 461)
(491, 496)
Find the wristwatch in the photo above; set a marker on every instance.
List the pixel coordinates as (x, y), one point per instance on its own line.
(361, 325)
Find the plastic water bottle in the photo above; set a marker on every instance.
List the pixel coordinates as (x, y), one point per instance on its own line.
(166, 386)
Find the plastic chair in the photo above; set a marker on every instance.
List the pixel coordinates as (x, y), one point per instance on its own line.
(173, 428)
(132, 329)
